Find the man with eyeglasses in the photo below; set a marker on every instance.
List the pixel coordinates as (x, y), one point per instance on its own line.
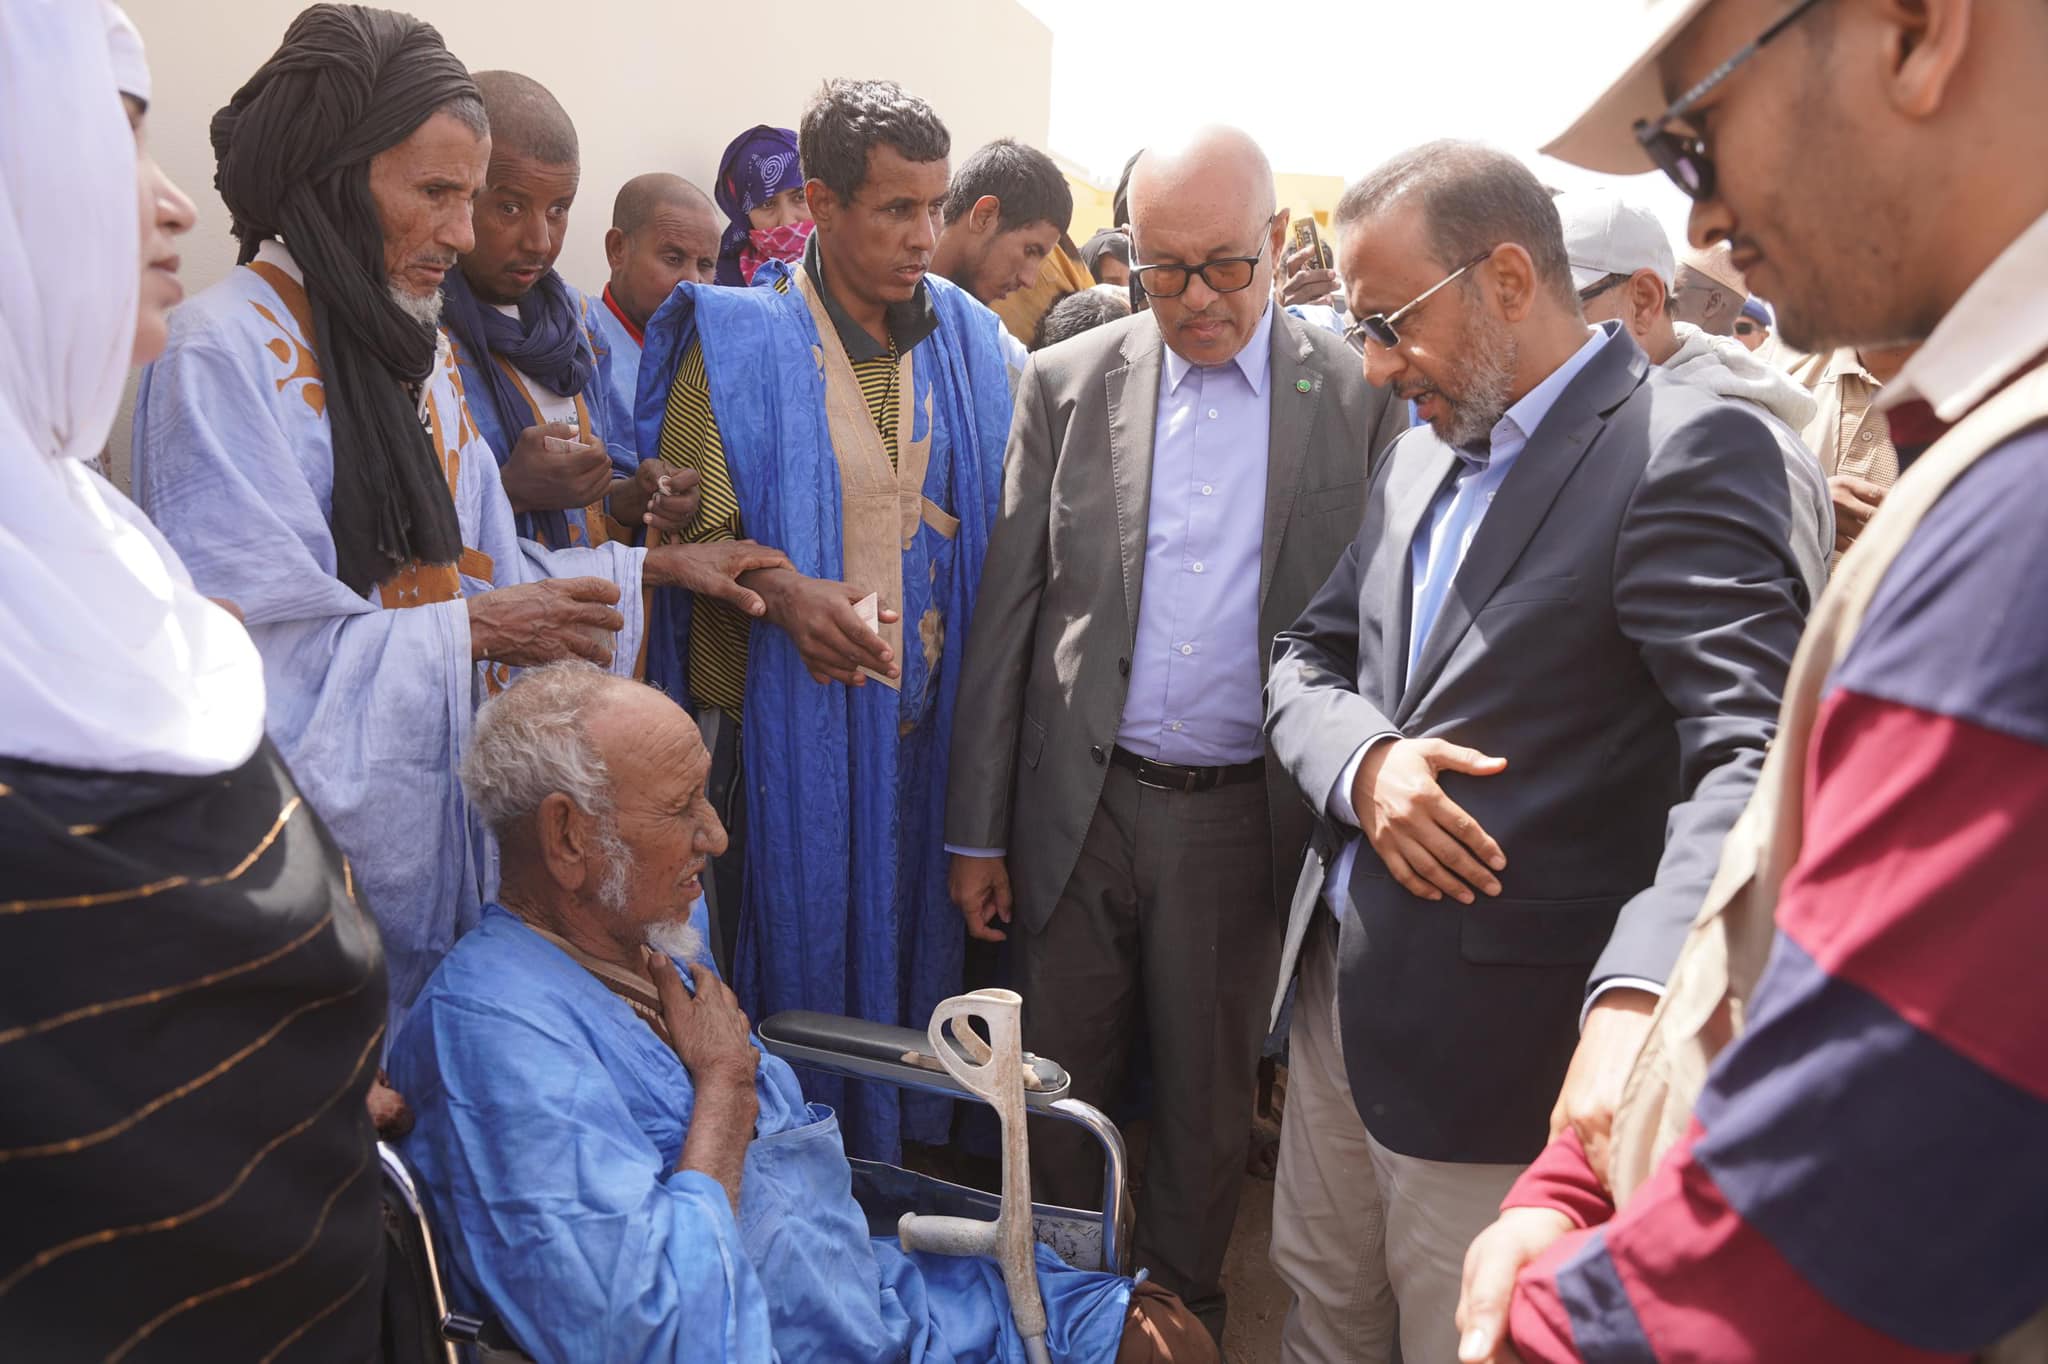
(1530, 701)
(1832, 1146)
(1176, 485)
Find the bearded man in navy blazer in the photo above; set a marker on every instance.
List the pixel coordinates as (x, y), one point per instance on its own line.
(1527, 705)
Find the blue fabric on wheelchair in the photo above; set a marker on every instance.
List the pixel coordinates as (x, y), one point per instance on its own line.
(550, 1123)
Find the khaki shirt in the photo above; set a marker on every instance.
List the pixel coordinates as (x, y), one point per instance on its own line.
(1848, 434)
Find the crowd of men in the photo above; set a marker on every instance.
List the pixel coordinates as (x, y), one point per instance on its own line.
(1588, 701)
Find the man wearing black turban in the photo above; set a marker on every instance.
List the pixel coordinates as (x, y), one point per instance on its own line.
(305, 444)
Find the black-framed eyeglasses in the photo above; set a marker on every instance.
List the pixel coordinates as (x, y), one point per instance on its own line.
(1683, 156)
(1228, 275)
(1380, 327)
(1601, 286)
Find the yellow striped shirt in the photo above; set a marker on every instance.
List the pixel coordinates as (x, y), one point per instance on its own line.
(690, 440)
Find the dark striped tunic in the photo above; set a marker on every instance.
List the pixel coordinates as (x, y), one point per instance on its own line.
(193, 1008)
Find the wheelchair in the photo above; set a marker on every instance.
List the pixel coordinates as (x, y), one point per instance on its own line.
(421, 1328)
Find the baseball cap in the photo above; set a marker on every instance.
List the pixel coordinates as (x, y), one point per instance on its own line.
(1603, 137)
(1605, 234)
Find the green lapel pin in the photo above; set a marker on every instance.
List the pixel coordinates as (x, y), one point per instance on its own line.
(1303, 386)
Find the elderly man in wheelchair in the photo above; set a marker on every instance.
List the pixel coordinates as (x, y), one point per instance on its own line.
(612, 1168)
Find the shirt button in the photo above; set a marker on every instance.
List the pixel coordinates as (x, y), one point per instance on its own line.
(1212, 414)
(1198, 566)
(1187, 649)
(1208, 490)
(1176, 726)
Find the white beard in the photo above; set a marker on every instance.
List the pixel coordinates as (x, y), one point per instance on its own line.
(426, 311)
(676, 938)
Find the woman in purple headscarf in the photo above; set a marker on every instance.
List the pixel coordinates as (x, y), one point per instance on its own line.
(761, 188)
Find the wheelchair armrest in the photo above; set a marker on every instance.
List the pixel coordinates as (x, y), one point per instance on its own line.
(903, 1057)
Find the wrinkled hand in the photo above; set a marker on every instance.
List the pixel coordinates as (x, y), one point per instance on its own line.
(714, 569)
(658, 496)
(818, 616)
(389, 1113)
(1856, 501)
(1495, 1257)
(552, 469)
(544, 622)
(1615, 1028)
(1430, 845)
(709, 1032)
(981, 887)
(1307, 282)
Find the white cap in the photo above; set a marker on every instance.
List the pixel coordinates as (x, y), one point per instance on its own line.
(1605, 234)
(1603, 137)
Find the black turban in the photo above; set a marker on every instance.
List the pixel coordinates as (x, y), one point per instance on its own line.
(293, 149)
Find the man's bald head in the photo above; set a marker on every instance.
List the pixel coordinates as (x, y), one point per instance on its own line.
(644, 195)
(526, 120)
(1206, 200)
(1214, 169)
(664, 232)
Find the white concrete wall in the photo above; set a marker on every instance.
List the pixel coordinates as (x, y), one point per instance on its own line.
(652, 85)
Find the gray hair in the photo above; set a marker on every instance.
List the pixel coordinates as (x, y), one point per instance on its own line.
(1473, 199)
(530, 741)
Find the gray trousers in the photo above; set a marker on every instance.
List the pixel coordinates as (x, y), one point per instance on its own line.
(1169, 910)
(1370, 1242)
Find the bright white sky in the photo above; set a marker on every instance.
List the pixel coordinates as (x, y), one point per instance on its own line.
(1335, 88)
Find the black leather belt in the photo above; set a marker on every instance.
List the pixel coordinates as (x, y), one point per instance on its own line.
(1186, 780)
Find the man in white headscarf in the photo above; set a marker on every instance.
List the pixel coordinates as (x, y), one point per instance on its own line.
(194, 999)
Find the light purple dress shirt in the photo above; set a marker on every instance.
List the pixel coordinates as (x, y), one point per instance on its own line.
(1196, 684)
(1197, 693)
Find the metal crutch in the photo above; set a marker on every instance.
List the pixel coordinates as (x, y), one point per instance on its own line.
(996, 1073)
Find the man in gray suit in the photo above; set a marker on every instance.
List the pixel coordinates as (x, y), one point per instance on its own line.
(1177, 485)
(1530, 702)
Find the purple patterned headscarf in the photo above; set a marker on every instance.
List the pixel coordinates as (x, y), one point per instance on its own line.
(759, 164)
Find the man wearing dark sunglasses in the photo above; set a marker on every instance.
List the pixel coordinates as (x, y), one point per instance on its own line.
(1177, 484)
(1832, 1150)
(1530, 700)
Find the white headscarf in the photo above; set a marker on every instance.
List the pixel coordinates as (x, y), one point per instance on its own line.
(109, 658)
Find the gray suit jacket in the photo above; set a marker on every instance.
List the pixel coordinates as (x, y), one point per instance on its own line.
(1620, 631)
(1048, 657)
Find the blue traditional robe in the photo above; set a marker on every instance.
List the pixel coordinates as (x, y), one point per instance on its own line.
(608, 332)
(597, 413)
(845, 908)
(369, 699)
(551, 1119)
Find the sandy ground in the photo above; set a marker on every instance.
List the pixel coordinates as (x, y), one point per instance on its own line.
(1258, 1300)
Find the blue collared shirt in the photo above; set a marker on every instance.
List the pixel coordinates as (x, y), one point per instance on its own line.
(1196, 681)
(1438, 551)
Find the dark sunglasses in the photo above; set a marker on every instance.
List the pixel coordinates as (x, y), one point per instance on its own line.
(1601, 286)
(1747, 328)
(1683, 156)
(1228, 275)
(1380, 327)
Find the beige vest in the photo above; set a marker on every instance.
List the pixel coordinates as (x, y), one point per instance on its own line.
(1710, 986)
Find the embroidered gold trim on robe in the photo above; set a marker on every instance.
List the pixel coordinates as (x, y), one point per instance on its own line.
(881, 504)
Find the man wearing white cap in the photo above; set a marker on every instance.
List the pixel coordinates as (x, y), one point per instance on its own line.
(1622, 267)
(1846, 1092)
